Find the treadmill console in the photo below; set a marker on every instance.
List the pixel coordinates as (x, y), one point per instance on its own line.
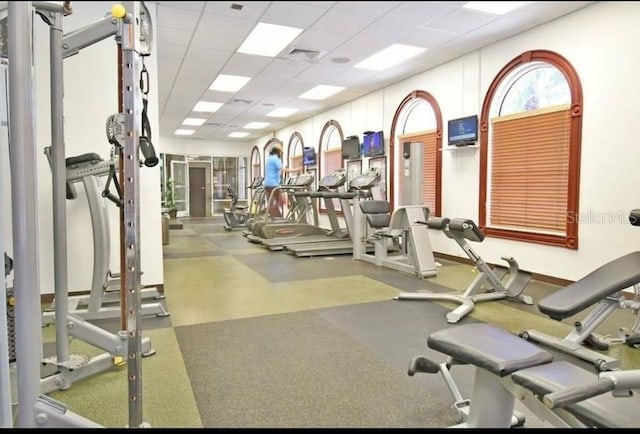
(333, 180)
(366, 180)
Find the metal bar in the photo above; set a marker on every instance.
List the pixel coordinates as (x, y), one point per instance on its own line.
(131, 167)
(6, 419)
(58, 171)
(24, 210)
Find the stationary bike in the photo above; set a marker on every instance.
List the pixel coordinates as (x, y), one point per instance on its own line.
(237, 216)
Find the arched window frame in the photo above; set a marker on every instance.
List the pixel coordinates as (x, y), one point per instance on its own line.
(295, 149)
(570, 238)
(256, 166)
(330, 128)
(397, 123)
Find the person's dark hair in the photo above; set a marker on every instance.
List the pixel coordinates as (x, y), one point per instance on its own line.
(276, 151)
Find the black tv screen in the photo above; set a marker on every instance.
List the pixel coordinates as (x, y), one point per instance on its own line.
(308, 156)
(351, 148)
(373, 144)
(463, 131)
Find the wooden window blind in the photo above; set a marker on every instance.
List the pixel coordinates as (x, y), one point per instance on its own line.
(296, 164)
(529, 170)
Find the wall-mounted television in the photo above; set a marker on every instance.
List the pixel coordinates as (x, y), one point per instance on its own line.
(308, 156)
(351, 148)
(373, 144)
(463, 131)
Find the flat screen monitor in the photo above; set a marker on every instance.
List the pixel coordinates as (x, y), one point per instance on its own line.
(351, 148)
(308, 156)
(463, 131)
(373, 144)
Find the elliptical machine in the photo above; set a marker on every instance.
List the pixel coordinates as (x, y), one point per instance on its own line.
(237, 216)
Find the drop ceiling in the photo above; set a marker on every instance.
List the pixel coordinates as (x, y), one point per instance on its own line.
(197, 40)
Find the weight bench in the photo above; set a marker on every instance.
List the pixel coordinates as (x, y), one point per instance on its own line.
(603, 287)
(509, 368)
(462, 230)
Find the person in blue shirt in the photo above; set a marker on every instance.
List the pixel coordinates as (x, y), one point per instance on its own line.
(272, 177)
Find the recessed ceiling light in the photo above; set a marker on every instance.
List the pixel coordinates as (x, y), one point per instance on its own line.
(321, 91)
(268, 39)
(341, 60)
(390, 56)
(282, 112)
(238, 134)
(229, 83)
(180, 132)
(256, 125)
(196, 122)
(498, 8)
(207, 107)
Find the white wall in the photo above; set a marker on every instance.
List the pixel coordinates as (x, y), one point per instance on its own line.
(598, 41)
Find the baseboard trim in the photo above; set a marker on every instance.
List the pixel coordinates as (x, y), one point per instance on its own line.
(537, 276)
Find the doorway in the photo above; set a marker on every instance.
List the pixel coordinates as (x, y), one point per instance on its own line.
(197, 192)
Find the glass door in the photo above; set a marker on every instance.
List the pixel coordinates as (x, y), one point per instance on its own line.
(179, 175)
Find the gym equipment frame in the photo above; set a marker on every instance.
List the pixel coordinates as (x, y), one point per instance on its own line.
(510, 369)
(34, 408)
(461, 230)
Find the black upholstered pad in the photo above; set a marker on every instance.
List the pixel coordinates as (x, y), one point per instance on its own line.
(613, 276)
(600, 411)
(488, 347)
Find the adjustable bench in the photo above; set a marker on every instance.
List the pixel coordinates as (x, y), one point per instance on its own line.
(602, 286)
(508, 367)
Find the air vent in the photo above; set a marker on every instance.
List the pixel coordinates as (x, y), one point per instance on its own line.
(236, 6)
(242, 101)
(214, 124)
(304, 54)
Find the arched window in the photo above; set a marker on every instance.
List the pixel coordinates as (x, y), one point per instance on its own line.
(417, 119)
(256, 167)
(530, 134)
(330, 153)
(296, 146)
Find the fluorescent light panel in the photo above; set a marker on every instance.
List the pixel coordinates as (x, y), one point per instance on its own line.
(207, 107)
(256, 125)
(322, 91)
(195, 122)
(282, 112)
(229, 83)
(181, 132)
(239, 134)
(268, 39)
(498, 8)
(389, 57)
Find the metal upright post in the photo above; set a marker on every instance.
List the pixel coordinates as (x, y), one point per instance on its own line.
(58, 170)
(130, 46)
(6, 418)
(24, 210)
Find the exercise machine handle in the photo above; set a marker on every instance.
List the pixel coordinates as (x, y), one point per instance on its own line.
(579, 393)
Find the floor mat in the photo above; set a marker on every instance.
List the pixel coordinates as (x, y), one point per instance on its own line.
(299, 371)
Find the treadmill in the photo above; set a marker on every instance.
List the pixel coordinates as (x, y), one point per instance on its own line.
(295, 221)
(364, 185)
(334, 182)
